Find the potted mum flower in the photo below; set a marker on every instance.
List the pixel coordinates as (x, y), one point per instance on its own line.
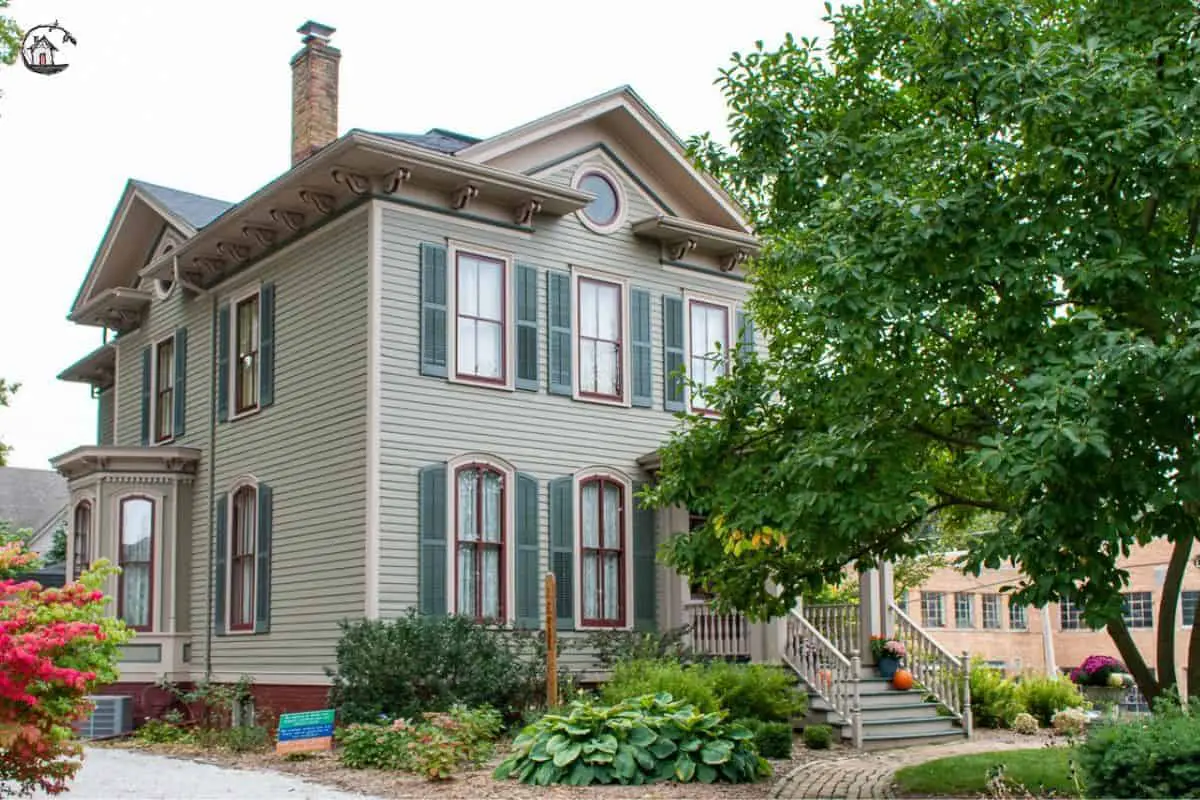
(1102, 679)
(889, 655)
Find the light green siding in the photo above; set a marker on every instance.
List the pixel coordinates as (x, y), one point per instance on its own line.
(104, 417)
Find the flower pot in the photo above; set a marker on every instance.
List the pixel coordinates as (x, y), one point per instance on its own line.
(1104, 696)
(887, 666)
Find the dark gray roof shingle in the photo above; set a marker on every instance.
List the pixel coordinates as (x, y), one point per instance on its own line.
(438, 140)
(194, 209)
(29, 498)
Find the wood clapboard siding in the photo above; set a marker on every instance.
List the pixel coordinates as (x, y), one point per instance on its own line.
(308, 446)
(426, 419)
(104, 417)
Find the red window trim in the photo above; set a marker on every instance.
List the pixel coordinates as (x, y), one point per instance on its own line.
(586, 621)
(480, 468)
(121, 562)
(692, 345)
(470, 376)
(255, 298)
(160, 392)
(235, 598)
(620, 342)
(78, 565)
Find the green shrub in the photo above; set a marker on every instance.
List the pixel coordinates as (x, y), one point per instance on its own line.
(771, 739)
(402, 667)
(157, 731)
(1044, 697)
(613, 647)
(434, 746)
(641, 740)
(689, 683)
(1025, 723)
(817, 737)
(994, 700)
(1155, 757)
(757, 691)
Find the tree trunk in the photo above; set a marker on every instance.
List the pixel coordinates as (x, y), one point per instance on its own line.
(1132, 657)
(1168, 604)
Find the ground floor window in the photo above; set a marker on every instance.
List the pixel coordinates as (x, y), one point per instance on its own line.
(135, 591)
(602, 552)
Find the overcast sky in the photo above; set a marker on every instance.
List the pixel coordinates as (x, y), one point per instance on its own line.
(197, 96)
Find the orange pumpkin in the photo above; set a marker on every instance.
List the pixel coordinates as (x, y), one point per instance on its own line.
(902, 680)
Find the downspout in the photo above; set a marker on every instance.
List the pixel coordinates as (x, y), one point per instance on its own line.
(212, 475)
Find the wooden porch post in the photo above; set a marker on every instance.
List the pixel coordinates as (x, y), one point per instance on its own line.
(870, 618)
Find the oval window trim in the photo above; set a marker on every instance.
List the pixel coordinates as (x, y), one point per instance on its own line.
(588, 170)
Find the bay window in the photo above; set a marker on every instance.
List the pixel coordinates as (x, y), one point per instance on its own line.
(81, 536)
(135, 590)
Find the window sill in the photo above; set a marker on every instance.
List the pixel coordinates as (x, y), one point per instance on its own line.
(239, 632)
(250, 412)
(601, 400)
(163, 442)
(598, 626)
(482, 383)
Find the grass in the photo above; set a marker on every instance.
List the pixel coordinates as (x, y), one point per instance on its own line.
(1042, 770)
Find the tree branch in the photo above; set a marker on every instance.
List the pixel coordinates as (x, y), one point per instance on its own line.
(1172, 583)
(944, 438)
(952, 499)
(1133, 659)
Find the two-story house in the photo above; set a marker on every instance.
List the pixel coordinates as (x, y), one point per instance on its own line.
(415, 370)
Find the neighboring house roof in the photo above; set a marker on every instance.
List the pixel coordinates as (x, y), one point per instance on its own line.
(194, 209)
(32, 498)
(438, 140)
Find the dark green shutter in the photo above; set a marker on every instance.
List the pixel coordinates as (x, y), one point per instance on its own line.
(221, 564)
(432, 540)
(558, 301)
(528, 575)
(147, 359)
(266, 345)
(562, 549)
(262, 557)
(645, 616)
(639, 325)
(527, 328)
(672, 353)
(223, 364)
(745, 334)
(433, 310)
(180, 411)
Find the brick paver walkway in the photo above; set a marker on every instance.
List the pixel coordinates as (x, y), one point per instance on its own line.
(869, 775)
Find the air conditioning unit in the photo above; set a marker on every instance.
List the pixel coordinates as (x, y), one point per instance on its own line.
(113, 716)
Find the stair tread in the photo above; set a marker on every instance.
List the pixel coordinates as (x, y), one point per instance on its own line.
(902, 705)
(880, 737)
(905, 720)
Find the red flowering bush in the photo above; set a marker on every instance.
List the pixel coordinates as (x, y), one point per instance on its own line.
(56, 647)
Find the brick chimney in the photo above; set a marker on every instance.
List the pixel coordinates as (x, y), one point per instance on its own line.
(314, 91)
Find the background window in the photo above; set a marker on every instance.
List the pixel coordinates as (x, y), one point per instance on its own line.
(82, 537)
(1191, 604)
(1068, 616)
(964, 610)
(709, 335)
(135, 591)
(991, 611)
(245, 378)
(599, 338)
(1017, 620)
(480, 332)
(1138, 609)
(164, 390)
(241, 558)
(933, 613)
(602, 529)
(480, 542)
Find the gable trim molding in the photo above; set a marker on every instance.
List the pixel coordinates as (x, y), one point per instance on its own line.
(617, 162)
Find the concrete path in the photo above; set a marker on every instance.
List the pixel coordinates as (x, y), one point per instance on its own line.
(122, 775)
(869, 775)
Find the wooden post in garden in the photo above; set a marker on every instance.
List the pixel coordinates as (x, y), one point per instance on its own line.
(551, 642)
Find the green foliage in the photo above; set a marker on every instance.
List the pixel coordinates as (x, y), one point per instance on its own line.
(688, 683)
(994, 698)
(755, 691)
(218, 703)
(978, 294)
(642, 740)
(434, 746)
(817, 737)
(157, 731)
(1155, 757)
(1043, 771)
(57, 554)
(1044, 696)
(236, 738)
(771, 739)
(613, 647)
(416, 663)
(10, 45)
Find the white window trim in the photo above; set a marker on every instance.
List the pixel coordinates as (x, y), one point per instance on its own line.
(690, 298)
(594, 167)
(627, 545)
(93, 542)
(154, 391)
(240, 483)
(582, 273)
(510, 535)
(156, 546)
(245, 294)
(453, 250)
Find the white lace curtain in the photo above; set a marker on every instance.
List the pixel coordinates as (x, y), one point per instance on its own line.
(480, 534)
(137, 535)
(601, 551)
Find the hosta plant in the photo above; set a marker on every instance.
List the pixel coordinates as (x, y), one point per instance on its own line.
(642, 740)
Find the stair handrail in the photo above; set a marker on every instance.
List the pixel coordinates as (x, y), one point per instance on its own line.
(940, 672)
(826, 670)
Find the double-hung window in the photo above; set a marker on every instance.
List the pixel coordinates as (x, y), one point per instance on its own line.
(1138, 609)
(135, 589)
(243, 546)
(1017, 617)
(1068, 616)
(479, 533)
(991, 611)
(708, 343)
(933, 612)
(481, 303)
(81, 537)
(246, 354)
(602, 551)
(164, 390)
(1191, 606)
(964, 610)
(601, 339)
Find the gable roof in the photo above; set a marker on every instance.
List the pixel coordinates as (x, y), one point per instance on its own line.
(438, 140)
(31, 498)
(194, 209)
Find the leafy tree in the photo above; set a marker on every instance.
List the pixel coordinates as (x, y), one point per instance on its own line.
(57, 554)
(980, 296)
(6, 389)
(10, 40)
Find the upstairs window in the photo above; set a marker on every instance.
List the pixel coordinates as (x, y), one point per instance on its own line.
(479, 541)
(135, 586)
(1068, 616)
(1017, 619)
(708, 340)
(991, 611)
(1138, 609)
(243, 550)
(964, 610)
(246, 355)
(81, 539)
(600, 339)
(602, 551)
(933, 612)
(1191, 604)
(164, 390)
(480, 331)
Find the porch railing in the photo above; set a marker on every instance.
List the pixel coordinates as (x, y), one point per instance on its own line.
(716, 634)
(837, 622)
(941, 673)
(827, 672)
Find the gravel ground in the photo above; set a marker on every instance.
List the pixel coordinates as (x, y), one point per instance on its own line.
(113, 774)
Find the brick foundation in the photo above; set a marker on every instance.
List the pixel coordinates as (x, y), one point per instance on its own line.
(270, 700)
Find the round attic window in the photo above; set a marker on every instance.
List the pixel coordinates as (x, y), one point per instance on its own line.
(162, 289)
(603, 213)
